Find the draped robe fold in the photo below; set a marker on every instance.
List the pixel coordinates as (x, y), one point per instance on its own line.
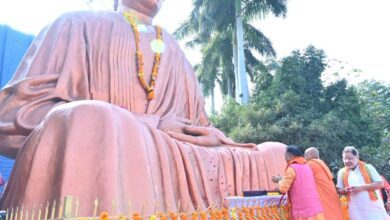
(78, 122)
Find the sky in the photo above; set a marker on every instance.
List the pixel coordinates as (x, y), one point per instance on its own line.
(353, 33)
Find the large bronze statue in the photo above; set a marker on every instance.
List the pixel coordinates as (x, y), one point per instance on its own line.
(105, 105)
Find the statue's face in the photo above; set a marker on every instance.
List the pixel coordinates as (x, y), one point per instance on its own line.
(147, 7)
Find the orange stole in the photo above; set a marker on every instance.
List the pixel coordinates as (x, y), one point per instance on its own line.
(367, 179)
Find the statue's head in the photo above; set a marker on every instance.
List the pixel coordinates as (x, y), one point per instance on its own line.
(146, 7)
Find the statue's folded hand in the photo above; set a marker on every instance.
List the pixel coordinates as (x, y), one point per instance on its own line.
(206, 136)
(173, 124)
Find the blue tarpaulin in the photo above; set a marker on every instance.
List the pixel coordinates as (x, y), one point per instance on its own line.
(13, 46)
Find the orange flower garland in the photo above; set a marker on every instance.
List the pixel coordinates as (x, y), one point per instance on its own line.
(194, 216)
(240, 214)
(219, 214)
(243, 213)
(104, 216)
(252, 212)
(162, 216)
(213, 215)
(140, 61)
(183, 216)
(173, 215)
(203, 215)
(225, 213)
(137, 216)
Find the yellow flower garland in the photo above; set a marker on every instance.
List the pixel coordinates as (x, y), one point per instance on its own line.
(140, 62)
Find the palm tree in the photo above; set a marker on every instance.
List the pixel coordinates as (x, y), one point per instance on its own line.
(212, 26)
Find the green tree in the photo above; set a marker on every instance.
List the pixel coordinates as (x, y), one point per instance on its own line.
(374, 97)
(211, 26)
(292, 106)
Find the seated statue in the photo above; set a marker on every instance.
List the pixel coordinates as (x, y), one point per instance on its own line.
(106, 106)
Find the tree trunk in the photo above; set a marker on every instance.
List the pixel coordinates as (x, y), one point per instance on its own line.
(212, 102)
(235, 64)
(243, 95)
(229, 85)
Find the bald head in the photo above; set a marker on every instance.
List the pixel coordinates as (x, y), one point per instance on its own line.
(312, 153)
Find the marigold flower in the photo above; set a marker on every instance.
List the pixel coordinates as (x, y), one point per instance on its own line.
(104, 216)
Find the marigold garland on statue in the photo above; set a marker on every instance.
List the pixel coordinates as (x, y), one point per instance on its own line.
(249, 211)
(236, 213)
(140, 61)
(194, 216)
(104, 216)
(162, 216)
(173, 215)
(203, 215)
(137, 216)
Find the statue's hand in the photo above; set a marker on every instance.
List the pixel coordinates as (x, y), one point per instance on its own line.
(206, 136)
(173, 124)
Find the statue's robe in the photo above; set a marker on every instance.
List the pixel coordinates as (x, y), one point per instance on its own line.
(78, 122)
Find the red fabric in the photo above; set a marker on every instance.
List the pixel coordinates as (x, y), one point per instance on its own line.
(386, 184)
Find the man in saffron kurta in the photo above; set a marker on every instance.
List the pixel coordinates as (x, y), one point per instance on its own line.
(299, 182)
(325, 186)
